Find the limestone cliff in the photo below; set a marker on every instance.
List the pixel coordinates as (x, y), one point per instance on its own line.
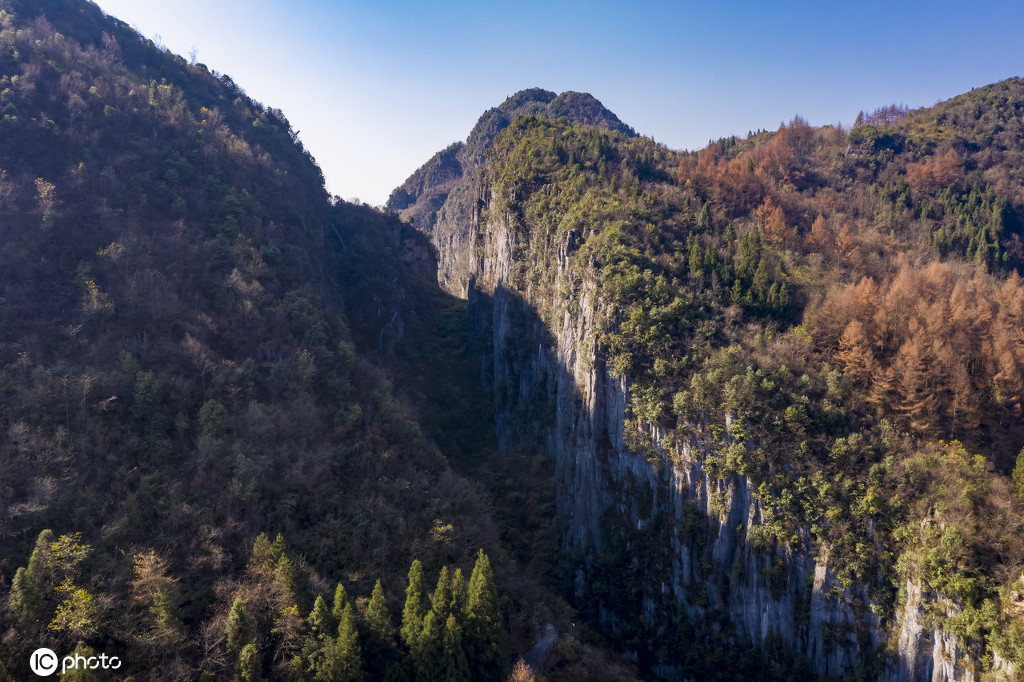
(657, 549)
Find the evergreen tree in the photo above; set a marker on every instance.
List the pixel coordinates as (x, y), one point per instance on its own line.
(428, 651)
(442, 600)
(378, 619)
(240, 628)
(455, 666)
(485, 637)
(460, 595)
(704, 221)
(348, 658)
(250, 663)
(263, 561)
(319, 620)
(416, 606)
(318, 648)
(28, 588)
(380, 635)
(340, 602)
(1018, 474)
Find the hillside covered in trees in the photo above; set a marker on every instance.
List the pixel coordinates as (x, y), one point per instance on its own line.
(799, 348)
(748, 412)
(192, 364)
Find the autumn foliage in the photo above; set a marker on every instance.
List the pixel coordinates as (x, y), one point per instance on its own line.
(940, 345)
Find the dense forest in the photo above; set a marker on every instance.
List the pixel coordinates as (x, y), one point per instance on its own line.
(579, 378)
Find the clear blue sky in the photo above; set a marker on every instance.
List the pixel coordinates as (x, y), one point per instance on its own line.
(376, 87)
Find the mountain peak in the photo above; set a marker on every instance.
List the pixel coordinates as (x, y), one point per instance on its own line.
(578, 107)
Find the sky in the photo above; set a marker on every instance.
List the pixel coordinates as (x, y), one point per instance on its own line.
(375, 88)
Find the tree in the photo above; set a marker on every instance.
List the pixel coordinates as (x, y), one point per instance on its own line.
(380, 635)
(416, 605)
(318, 647)
(485, 636)
(428, 651)
(348, 658)
(442, 600)
(1018, 474)
(460, 595)
(82, 673)
(240, 629)
(454, 657)
(153, 589)
(856, 360)
(820, 237)
(250, 663)
(340, 602)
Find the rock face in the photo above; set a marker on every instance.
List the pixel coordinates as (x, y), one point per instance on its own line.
(656, 548)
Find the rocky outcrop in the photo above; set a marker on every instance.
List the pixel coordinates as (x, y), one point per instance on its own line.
(442, 198)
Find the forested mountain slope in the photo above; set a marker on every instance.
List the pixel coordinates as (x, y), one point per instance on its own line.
(780, 380)
(188, 371)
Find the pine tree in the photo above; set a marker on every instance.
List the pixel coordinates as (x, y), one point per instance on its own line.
(240, 629)
(1018, 474)
(28, 588)
(428, 651)
(442, 600)
(485, 637)
(380, 636)
(262, 561)
(377, 616)
(340, 602)
(348, 657)
(460, 595)
(454, 657)
(318, 648)
(250, 663)
(416, 606)
(704, 221)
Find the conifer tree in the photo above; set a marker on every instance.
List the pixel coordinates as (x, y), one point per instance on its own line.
(485, 637)
(380, 636)
(454, 662)
(416, 606)
(240, 629)
(378, 619)
(250, 663)
(460, 595)
(28, 589)
(442, 601)
(340, 602)
(318, 648)
(348, 657)
(428, 651)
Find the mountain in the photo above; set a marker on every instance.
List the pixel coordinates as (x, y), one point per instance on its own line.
(747, 412)
(436, 198)
(780, 380)
(206, 404)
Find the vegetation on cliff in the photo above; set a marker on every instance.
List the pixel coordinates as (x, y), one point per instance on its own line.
(848, 302)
